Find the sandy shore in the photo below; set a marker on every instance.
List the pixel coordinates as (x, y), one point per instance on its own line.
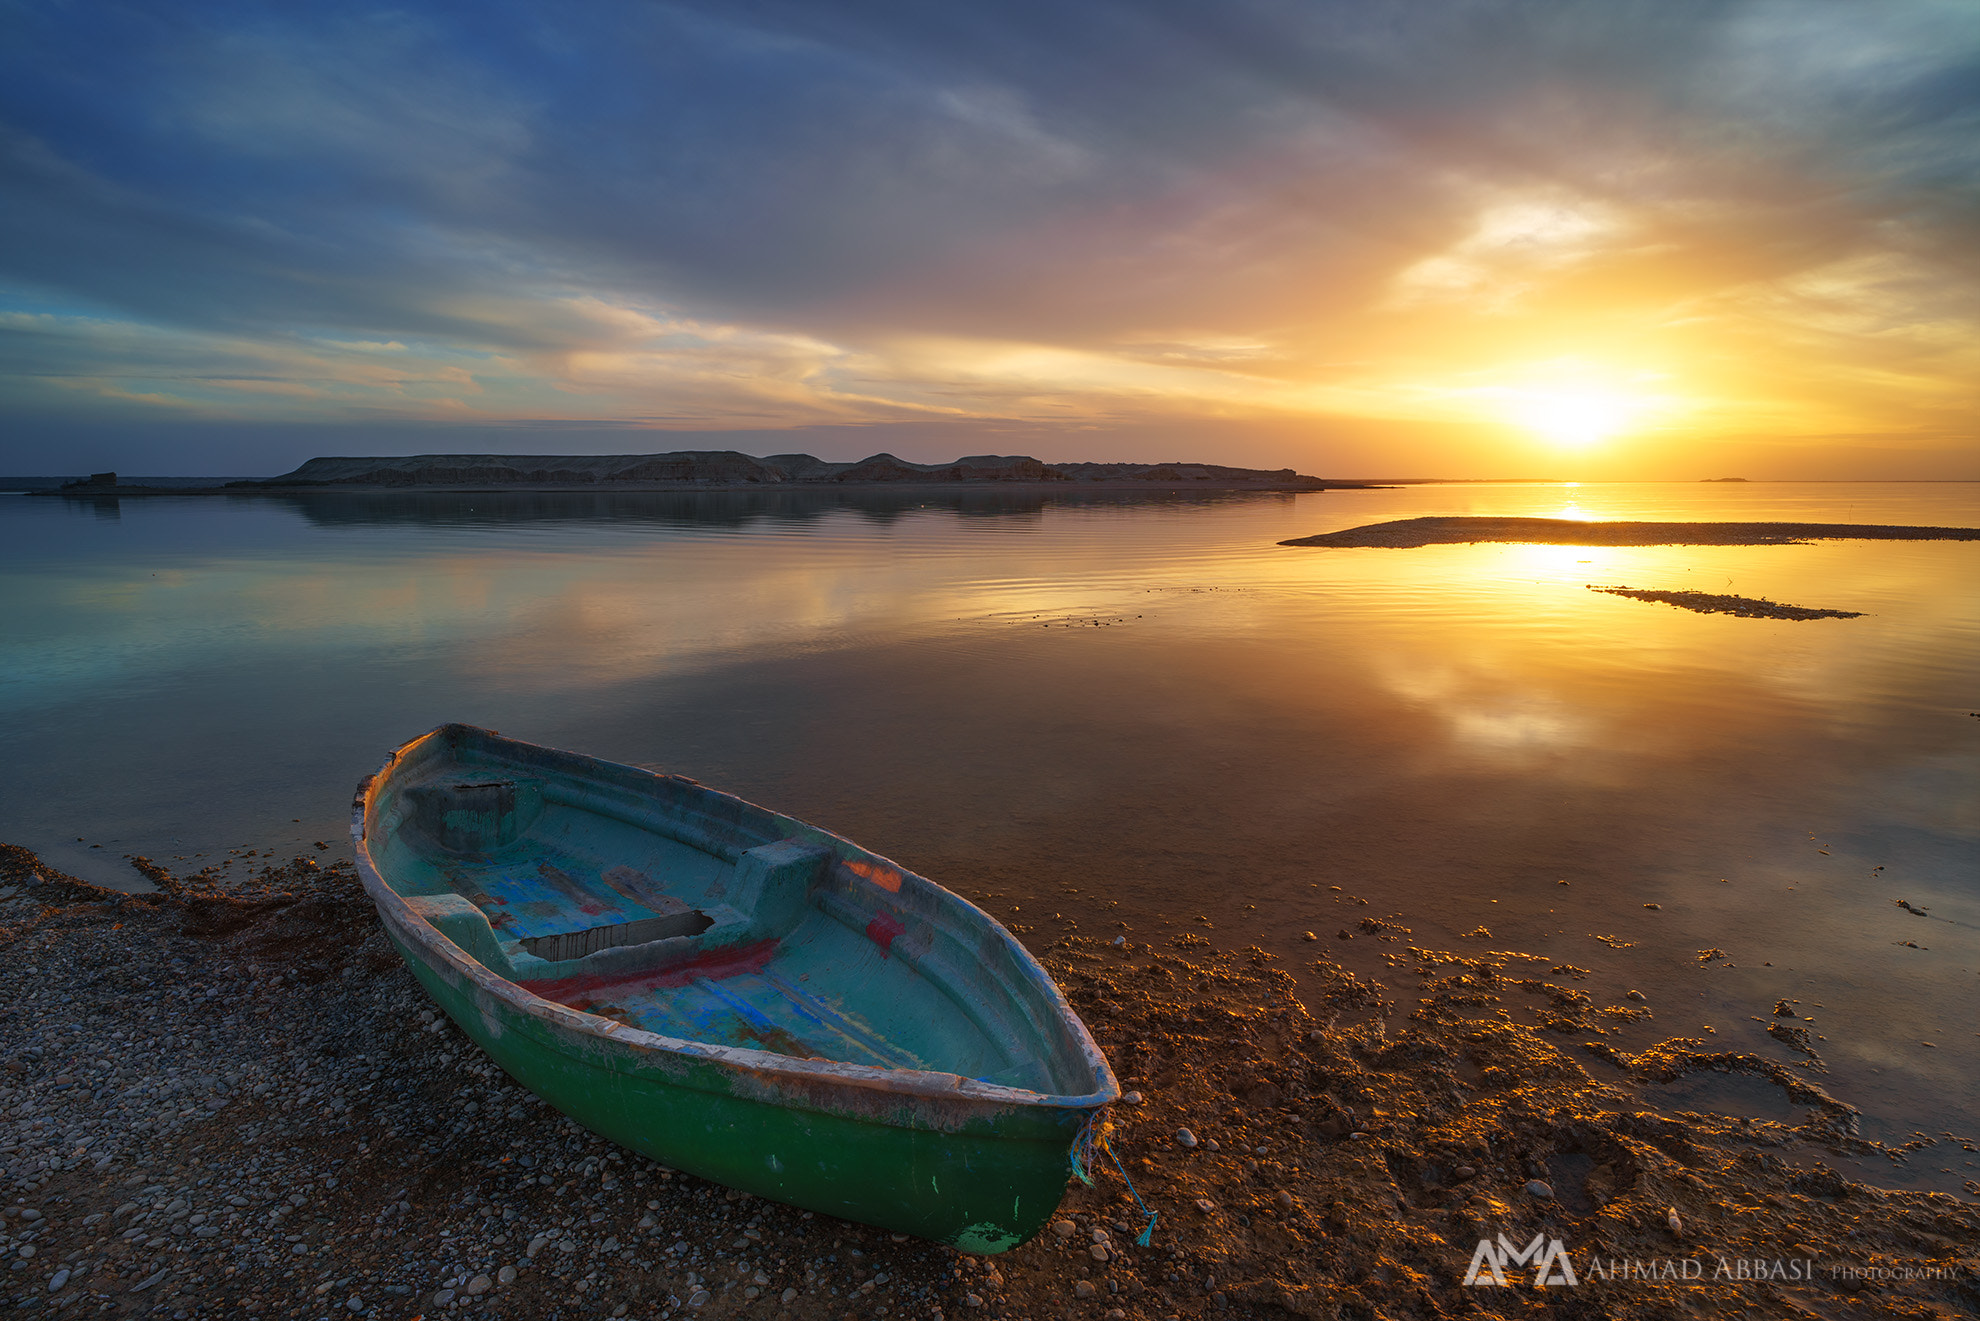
(235, 1102)
(1404, 533)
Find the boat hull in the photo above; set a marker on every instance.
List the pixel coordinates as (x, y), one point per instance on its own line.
(975, 1165)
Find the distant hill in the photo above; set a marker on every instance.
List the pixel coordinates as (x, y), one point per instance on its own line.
(732, 468)
(46, 483)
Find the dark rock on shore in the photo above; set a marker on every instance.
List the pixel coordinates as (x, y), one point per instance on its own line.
(1710, 603)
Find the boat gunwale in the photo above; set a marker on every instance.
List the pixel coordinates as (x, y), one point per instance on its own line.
(932, 1084)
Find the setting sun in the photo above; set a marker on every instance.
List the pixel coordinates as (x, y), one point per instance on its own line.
(1574, 419)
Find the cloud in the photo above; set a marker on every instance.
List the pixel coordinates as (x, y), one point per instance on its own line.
(785, 214)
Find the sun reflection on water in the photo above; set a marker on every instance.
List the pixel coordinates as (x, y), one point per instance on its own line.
(1235, 723)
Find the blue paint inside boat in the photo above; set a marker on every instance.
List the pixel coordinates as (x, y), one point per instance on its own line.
(664, 919)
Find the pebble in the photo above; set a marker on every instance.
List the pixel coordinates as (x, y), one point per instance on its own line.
(1539, 1188)
(1671, 1219)
(1635, 995)
(322, 1084)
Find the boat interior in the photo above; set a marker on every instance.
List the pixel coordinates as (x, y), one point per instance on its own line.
(668, 907)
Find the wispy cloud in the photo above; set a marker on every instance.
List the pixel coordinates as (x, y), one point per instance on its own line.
(777, 214)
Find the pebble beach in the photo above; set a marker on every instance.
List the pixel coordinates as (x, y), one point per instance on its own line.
(229, 1098)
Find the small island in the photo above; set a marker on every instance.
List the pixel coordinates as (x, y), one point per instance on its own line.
(706, 470)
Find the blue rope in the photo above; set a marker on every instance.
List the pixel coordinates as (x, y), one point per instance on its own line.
(1093, 1134)
(1083, 1145)
(1147, 1230)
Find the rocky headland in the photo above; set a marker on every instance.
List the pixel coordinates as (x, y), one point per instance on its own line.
(731, 468)
(714, 470)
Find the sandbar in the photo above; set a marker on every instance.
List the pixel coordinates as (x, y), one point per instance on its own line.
(1406, 533)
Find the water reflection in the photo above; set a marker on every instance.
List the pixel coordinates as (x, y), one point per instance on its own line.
(1230, 729)
(728, 509)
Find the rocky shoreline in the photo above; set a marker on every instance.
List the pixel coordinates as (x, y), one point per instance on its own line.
(229, 1098)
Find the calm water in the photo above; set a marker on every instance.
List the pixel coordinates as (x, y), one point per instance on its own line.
(1138, 712)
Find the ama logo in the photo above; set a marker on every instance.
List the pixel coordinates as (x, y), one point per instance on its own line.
(1546, 1255)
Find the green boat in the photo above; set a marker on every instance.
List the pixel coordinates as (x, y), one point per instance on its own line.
(732, 992)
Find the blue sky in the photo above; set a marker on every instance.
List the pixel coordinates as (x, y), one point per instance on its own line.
(1378, 237)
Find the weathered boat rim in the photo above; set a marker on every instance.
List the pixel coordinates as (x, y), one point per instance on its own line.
(395, 911)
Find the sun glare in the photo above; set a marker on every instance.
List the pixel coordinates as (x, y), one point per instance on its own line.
(1573, 419)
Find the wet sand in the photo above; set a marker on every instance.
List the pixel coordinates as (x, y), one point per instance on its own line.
(1405, 533)
(228, 1099)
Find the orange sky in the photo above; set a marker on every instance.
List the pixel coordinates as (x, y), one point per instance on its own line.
(1466, 241)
